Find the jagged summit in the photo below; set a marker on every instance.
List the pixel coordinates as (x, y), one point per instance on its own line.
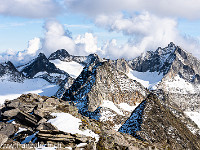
(10, 73)
(63, 55)
(155, 61)
(40, 64)
(112, 92)
(59, 54)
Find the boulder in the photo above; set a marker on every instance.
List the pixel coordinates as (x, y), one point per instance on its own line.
(7, 129)
(3, 139)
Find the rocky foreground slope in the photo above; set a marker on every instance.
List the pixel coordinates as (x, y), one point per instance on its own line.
(32, 119)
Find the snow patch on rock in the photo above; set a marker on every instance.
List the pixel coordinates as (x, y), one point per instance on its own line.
(72, 68)
(67, 123)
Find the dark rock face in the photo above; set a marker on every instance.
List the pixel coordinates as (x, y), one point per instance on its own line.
(160, 126)
(59, 54)
(64, 85)
(186, 66)
(158, 61)
(10, 73)
(63, 55)
(40, 64)
(133, 124)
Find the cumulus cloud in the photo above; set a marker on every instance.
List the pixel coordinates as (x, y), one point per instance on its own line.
(30, 8)
(146, 31)
(147, 23)
(56, 38)
(86, 44)
(172, 8)
(112, 50)
(22, 57)
(34, 46)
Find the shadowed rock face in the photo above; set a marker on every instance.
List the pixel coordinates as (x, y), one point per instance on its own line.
(63, 55)
(59, 54)
(186, 66)
(40, 64)
(158, 61)
(155, 123)
(9, 71)
(170, 61)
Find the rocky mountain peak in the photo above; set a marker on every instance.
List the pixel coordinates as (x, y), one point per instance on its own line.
(41, 55)
(9, 72)
(120, 64)
(185, 65)
(155, 61)
(59, 54)
(169, 49)
(100, 84)
(40, 64)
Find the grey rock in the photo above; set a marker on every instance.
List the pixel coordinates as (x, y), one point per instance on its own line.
(40, 64)
(11, 113)
(7, 129)
(46, 127)
(99, 82)
(121, 65)
(12, 104)
(3, 139)
(158, 61)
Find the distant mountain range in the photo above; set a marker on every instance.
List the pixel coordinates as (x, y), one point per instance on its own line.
(154, 97)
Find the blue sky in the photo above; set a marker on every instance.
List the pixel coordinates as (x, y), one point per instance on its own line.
(115, 29)
(15, 32)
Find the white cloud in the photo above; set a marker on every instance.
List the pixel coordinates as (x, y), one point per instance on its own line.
(172, 8)
(56, 38)
(148, 32)
(22, 57)
(86, 44)
(34, 46)
(30, 8)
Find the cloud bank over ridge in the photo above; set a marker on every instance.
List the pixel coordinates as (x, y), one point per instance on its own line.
(147, 24)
